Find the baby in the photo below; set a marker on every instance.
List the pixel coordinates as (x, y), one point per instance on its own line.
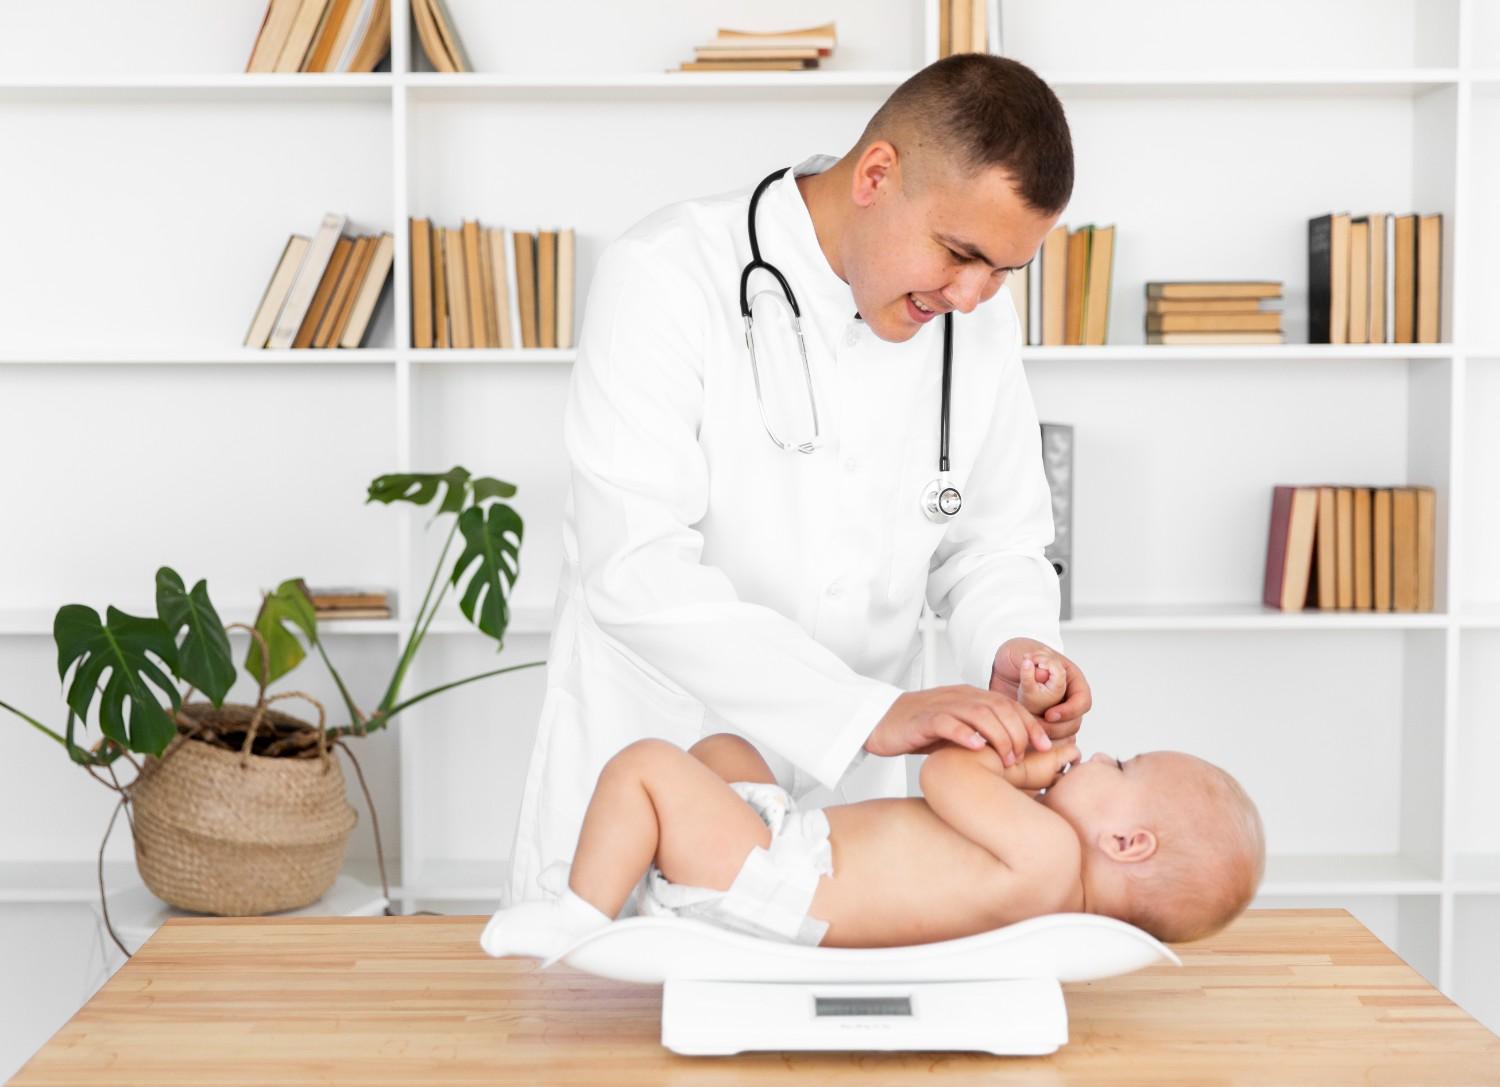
(1165, 841)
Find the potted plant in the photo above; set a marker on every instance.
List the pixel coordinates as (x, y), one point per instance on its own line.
(239, 809)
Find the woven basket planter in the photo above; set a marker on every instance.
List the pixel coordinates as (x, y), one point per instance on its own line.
(237, 834)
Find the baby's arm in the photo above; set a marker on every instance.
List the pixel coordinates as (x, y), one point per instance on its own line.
(961, 788)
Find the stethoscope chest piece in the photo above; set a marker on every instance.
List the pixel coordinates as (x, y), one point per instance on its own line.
(941, 501)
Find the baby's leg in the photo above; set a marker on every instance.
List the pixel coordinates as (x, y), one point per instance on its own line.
(654, 800)
(733, 758)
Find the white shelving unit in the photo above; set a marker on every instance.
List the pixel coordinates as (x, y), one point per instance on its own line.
(138, 432)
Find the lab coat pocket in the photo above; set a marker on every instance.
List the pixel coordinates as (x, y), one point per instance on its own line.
(624, 700)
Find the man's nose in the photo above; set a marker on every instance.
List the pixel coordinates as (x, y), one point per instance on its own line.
(966, 293)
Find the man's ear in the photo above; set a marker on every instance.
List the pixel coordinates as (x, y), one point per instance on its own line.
(1130, 847)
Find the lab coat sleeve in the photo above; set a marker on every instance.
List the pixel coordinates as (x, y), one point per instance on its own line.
(640, 484)
(989, 577)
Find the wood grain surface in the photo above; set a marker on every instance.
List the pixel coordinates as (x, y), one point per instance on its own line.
(1281, 997)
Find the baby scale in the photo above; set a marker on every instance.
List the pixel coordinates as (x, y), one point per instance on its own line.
(997, 992)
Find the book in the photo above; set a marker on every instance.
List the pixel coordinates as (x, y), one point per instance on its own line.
(442, 329)
(487, 283)
(276, 291)
(546, 288)
(448, 35)
(327, 283)
(1403, 549)
(300, 37)
(1380, 538)
(1429, 276)
(1327, 548)
(348, 596)
(1212, 337)
(1054, 286)
(370, 292)
(1016, 284)
(1097, 287)
(1359, 280)
(309, 276)
(1363, 550)
(274, 29)
(1208, 288)
(1343, 505)
(458, 288)
(1078, 268)
(1404, 294)
(1289, 550)
(370, 40)
(513, 278)
(717, 53)
(438, 39)
(1328, 279)
(1426, 517)
(337, 311)
(1269, 321)
(1034, 300)
(1377, 278)
(421, 283)
(1057, 465)
(474, 282)
(525, 247)
(824, 36)
(566, 260)
(1222, 306)
(495, 239)
(337, 25)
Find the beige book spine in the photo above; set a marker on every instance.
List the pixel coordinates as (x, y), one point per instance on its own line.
(421, 283)
(487, 289)
(566, 275)
(1363, 554)
(474, 282)
(276, 291)
(369, 292)
(496, 240)
(1327, 549)
(1380, 505)
(331, 326)
(458, 288)
(324, 293)
(1404, 548)
(546, 288)
(1426, 538)
(299, 40)
(1344, 538)
(442, 331)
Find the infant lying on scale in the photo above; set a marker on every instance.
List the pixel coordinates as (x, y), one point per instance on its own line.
(1164, 841)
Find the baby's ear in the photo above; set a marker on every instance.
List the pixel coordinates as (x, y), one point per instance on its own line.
(1132, 847)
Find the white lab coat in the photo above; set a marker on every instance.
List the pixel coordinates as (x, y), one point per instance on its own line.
(713, 582)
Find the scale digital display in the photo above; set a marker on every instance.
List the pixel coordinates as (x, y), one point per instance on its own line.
(827, 1006)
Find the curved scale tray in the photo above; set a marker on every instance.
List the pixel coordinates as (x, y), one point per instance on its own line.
(1065, 946)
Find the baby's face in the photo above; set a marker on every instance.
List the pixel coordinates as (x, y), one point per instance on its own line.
(1103, 793)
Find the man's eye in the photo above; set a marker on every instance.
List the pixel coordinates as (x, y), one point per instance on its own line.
(958, 256)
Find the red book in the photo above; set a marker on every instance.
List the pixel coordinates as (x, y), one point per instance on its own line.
(1294, 516)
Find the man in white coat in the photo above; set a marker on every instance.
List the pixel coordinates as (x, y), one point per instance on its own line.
(714, 581)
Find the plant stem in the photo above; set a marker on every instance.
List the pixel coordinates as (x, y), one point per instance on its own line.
(348, 698)
(418, 627)
(34, 722)
(380, 717)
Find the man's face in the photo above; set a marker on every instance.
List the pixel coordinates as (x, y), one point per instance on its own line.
(949, 248)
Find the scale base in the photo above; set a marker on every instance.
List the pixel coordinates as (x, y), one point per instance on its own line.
(1015, 1017)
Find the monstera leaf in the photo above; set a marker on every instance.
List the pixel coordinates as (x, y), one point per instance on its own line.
(419, 488)
(203, 657)
(119, 645)
(288, 604)
(488, 540)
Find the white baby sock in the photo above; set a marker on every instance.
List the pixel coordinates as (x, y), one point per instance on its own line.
(542, 928)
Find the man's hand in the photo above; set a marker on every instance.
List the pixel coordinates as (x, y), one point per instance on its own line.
(1063, 719)
(920, 722)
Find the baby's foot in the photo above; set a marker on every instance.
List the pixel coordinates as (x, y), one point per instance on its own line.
(1038, 696)
(541, 928)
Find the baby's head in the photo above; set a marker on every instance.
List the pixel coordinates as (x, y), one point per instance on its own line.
(1171, 844)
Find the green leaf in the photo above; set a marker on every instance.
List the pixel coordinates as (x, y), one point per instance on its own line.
(419, 487)
(288, 604)
(487, 487)
(492, 537)
(203, 656)
(120, 645)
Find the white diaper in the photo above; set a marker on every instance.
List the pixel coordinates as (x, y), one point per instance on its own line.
(774, 889)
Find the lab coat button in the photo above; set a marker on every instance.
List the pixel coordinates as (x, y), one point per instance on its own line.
(851, 338)
(835, 589)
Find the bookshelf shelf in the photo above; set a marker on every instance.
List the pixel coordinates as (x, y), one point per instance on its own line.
(1237, 352)
(1362, 874)
(1314, 82)
(208, 356)
(433, 86)
(373, 87)
(476, 356)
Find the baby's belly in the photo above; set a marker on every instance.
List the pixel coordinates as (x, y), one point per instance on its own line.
(903, 876)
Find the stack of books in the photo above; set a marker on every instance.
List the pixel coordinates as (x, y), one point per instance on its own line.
(322, 36)
(1374, 278)
(476, 286)
(964, 26)
(775, 51)
(324, 290)
(439, 39)
(1062, 296)
(1373, 546)
(1213, 311)
(351, 602)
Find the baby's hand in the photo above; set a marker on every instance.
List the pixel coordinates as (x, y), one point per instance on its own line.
(1039, 769)
(1043, 682)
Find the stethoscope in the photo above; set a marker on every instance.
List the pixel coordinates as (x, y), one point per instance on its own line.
(941, 500)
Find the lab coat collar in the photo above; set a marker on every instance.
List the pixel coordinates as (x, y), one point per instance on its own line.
(820, 292)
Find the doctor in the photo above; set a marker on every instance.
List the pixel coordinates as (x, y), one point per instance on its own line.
(748, 538)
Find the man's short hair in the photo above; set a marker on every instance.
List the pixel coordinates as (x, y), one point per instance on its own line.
(971, 112)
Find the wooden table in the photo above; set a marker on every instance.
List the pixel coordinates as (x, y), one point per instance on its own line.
(1282, 996)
